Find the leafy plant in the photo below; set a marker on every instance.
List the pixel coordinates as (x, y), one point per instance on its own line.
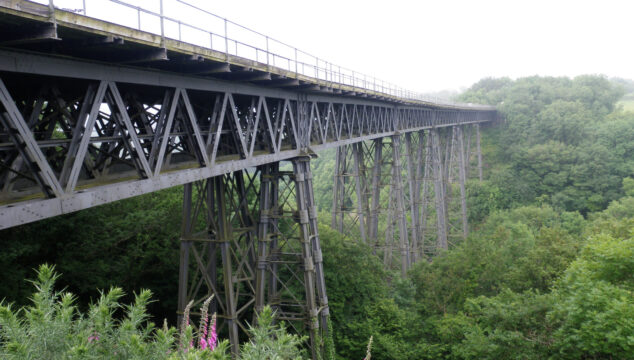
(53, 328)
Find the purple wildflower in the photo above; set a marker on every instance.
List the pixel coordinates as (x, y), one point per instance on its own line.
(212, 341)
(93, 338)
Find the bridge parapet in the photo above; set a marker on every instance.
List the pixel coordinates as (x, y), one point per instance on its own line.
(190, 39)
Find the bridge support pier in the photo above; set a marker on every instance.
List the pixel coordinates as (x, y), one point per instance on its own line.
(398, 210)
(432, 199)
(439, 190)
(248, 263)
(414, 154)
(478, 153)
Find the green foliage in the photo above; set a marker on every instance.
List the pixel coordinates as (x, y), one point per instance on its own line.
(522, 249)
(560, 142)
(270, 341)
(131, 243)
(628, 186)
(483, 197)
(588, 314)
(506, 326)
(595, 302)
(355, 280)
(53, 328)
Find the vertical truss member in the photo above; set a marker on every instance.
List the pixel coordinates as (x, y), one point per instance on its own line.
(276, 260)
(218, 232)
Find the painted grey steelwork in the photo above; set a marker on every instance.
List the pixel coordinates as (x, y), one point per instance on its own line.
(432, 185)
(147, 130)
(92, 112)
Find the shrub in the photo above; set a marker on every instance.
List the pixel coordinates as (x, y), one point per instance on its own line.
(53, 328)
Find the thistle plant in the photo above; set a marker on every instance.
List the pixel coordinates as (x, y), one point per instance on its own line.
(53, 328)
(270, 341)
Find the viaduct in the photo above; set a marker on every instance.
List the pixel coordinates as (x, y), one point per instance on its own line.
(95, 109)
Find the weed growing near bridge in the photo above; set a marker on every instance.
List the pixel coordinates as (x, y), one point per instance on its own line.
(52, 327)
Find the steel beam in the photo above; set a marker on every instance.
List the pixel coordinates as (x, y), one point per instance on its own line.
(192, 129)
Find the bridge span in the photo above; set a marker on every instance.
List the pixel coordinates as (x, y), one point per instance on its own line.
(93, 112)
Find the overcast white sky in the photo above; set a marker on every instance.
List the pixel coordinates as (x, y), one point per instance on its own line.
(446, 44)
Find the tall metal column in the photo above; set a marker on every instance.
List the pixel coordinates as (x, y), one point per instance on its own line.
(185, 244)
(462, 175)
(456, 206)
(479, 151)
(428, 206)
(376, 193)
(338, 189)
(473, 154)
(359, 178)
(348, 211)
(223, 237)
(320, 281)
(289, 240)
(267, 179)
(468, 134)
(299, 172)
(218, 215)
(397, 184)
(441, 241)
(413, 176)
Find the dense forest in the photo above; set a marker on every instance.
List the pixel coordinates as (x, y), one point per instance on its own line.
(546, 272)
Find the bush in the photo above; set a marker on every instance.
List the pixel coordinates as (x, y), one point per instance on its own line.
(52, 327)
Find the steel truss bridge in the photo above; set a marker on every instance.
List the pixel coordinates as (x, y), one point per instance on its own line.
(92, 112)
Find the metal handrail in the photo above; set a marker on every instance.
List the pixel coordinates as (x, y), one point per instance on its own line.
(325, 72)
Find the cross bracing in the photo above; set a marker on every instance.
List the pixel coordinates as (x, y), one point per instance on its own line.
(405, 195)
(77, 134)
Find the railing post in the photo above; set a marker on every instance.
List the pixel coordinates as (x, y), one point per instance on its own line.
(267, 54)
(84, 7)
(353, 80)
(51, 14)
(226, 42)
(162, 26)
(296, 76)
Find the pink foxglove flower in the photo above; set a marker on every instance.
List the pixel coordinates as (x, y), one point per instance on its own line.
(93, 338)
(212, 340)
(184, 326)
(204, 324)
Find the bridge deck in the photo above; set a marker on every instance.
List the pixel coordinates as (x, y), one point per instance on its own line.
(29, 25)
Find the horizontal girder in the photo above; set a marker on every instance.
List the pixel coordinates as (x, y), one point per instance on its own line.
(77, 134)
